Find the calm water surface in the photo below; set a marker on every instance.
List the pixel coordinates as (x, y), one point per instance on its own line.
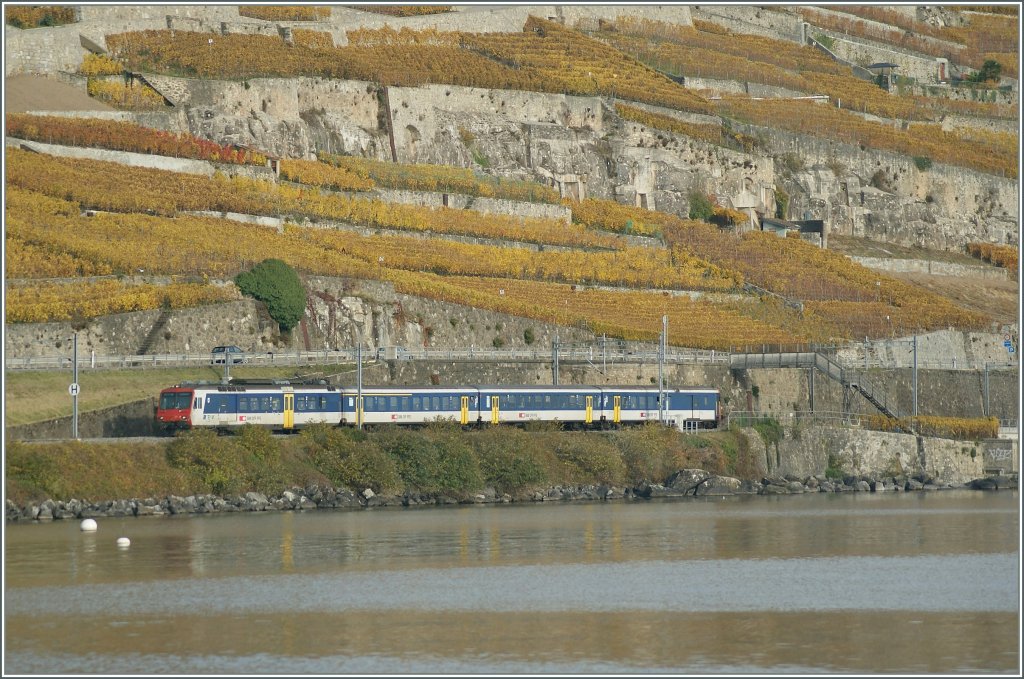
(890, 583)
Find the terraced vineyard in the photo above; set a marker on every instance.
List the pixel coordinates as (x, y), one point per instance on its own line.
(74, 218)
(545, 57)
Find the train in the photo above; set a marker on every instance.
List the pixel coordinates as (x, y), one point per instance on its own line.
(288, 406)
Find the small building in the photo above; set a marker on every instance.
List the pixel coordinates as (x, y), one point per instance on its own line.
(812, 230)
(884, 73)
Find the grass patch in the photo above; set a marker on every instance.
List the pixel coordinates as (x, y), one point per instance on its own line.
(36, 396)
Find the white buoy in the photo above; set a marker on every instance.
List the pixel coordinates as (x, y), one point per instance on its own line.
(88, 525)
(123, 542)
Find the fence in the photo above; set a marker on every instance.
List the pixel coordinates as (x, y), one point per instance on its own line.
(592, 355)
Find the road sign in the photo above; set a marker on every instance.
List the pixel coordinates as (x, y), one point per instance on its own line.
(1009, 349)
(73, 388)
(1007, 344)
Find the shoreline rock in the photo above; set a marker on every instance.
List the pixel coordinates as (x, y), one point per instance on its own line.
(684, 483)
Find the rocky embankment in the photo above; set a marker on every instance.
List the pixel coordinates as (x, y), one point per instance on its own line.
(684, 483)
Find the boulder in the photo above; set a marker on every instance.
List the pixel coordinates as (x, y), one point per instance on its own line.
(795, 487)
(687, 480)
(719, 485)
(772, 489)
(862, 486)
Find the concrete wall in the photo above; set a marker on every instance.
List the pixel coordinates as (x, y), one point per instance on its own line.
(781, 25)
(498, 206)
(169, 163)
(195, 330)
(42, 50)
(930, 267)
(129, 419)
(806, 453)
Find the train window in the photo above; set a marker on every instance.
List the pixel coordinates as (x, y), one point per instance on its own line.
(416, 403)
(404, 401)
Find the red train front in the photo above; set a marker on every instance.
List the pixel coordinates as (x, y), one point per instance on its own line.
(174, 411)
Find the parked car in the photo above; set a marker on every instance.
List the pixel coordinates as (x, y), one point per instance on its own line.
(392, 354)
(229, 353)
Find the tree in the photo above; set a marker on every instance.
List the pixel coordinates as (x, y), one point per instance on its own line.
(990, 70)
(700, 207)
(278, 286)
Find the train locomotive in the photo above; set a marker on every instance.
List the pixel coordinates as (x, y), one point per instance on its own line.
(289, 406)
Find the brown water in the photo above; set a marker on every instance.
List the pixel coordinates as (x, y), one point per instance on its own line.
(889, 583)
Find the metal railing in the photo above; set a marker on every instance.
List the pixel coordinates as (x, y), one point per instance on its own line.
(592, 355)
(746, 418)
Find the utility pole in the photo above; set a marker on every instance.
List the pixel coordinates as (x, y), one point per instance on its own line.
(554, 361)
(988, 412)
(915, 376)
(359, 384)
(74, 388)
(661, 370)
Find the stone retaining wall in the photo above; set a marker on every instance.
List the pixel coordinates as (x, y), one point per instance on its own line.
(135, 418)
(930, 267)
(131, 159)
(858, 452)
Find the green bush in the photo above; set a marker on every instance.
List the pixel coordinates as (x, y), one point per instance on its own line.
(216, 464)
(431, 466)
(701, 207)
(509, 460)
(648, 453)
(769, 429)
(278, 286)
(265, 470)
(922, 163)
(592, 457)
(348, 459)
(528, 336)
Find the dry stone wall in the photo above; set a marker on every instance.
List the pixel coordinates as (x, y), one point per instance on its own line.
(861, 452)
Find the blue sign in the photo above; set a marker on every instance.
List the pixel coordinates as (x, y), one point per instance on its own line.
(1009, 349)
(1008, 344)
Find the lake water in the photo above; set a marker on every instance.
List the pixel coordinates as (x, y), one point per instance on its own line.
(886, 583)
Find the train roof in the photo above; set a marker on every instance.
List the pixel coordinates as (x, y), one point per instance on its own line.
(245, 385)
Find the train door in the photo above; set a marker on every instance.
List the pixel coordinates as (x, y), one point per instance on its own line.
(289, 411)
(617, 410)
(360, 415)
(464, 410)
(494, 410)
(590, 409)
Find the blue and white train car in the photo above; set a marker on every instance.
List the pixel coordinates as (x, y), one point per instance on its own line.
(686, 408)
(573, 405)
(410, 405)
